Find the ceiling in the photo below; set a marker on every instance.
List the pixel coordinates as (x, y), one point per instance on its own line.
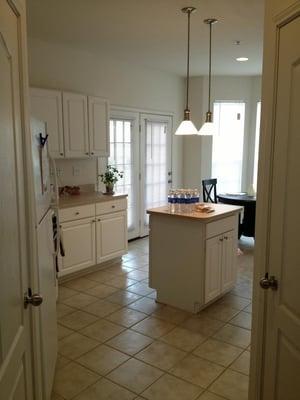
(152, 33)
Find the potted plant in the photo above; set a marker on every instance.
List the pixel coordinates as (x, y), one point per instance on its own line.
(110, 178)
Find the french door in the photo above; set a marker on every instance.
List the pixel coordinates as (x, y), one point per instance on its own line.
(155, 155)
(140, 146)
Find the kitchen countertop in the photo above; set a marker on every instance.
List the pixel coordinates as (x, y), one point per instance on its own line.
(220, 211)
(83, 198)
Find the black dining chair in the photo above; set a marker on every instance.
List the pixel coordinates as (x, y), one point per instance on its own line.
(209, 190)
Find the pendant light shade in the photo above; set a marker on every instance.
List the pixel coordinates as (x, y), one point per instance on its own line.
(187, 127)
(208, 127)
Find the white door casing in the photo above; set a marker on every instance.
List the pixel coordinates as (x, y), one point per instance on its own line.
(47, 310)
(275, 360)
(15, 342)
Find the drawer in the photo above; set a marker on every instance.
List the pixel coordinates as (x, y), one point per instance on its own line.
(106, 207)
(73, 213)
(222, 225)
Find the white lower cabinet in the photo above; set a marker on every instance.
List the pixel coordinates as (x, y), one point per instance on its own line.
(229, 268)
(92, 234)
(213, 265)
(220, 265)
(111, 236)
(79, 244)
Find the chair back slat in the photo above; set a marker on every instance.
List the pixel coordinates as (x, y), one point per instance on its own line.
(209, 189)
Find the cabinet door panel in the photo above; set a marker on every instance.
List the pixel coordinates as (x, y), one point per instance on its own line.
(213, 265)
(111, 236)
(75, 125)
(229, 266)
(79, 244)
(98, 126)
(46, 105)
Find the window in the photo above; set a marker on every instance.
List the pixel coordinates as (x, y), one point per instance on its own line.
(122, 158)
(256, 146)
(227, 153)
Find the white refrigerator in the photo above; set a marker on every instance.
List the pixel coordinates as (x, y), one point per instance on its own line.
(46, 209)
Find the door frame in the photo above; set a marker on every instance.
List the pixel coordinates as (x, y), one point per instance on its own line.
(144, 230)
(19, 7)
(135, 115)
(276, 15)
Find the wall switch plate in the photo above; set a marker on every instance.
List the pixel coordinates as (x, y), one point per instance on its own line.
(76, 171)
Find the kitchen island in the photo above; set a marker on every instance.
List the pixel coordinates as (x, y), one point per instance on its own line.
(192, 256)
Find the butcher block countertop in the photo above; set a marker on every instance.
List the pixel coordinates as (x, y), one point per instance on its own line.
(83, 198)
(220, 211)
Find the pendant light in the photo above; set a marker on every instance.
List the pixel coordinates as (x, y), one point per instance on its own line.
(208, 127)
(187, 127)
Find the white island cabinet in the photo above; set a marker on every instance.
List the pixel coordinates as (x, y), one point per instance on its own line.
(193, 256)
(92, 233)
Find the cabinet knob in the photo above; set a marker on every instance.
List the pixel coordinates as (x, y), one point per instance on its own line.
(87, 153)
(225, 237)
(61, 154)
(221, 239)
(77, 213)
(92, 153)
(113, 206)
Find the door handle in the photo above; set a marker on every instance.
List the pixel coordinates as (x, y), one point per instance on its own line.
(266, 282)
(34, 299)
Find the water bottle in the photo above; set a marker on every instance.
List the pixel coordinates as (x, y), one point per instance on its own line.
(169, 200)
(195, 199)
(172, 205)
(188, 201)
(181, 199)
(176, 201)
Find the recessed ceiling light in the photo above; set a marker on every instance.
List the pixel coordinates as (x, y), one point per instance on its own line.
(242, 59)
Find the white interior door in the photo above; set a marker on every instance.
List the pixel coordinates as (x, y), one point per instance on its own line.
(124, 154)
(156, 165)
(282, 346)
(15, 343)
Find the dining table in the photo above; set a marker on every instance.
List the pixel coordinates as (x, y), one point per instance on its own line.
(247, 220)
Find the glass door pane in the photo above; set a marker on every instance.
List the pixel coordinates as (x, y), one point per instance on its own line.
(155, 163)
(123, 155)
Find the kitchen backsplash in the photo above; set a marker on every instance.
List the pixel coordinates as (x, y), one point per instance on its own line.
(79, 172)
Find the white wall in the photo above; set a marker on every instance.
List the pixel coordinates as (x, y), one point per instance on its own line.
(57, 66)
(197, 151)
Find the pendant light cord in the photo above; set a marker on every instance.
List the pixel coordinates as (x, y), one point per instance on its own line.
(188, 63)
(209, 67)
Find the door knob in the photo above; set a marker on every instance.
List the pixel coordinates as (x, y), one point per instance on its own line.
(34, 299)
(269, 282)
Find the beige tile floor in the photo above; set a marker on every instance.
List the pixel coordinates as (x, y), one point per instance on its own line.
(117, 343)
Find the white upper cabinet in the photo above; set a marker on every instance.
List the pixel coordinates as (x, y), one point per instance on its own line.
(77, 124)
(75, 117)
(46, 105)
(98, 109)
